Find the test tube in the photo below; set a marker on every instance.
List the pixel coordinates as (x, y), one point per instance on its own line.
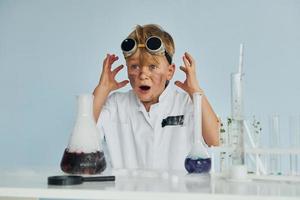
(294, 130)
(223, 143)
(257, 128)
(274, 139)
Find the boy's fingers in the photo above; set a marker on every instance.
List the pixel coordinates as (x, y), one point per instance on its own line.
(105, 59)
(179, 84)
(105, 62)
(113, 58)
(110, 61)
(189, 58)
(186, 61)
(117, 69)
(184, 69)
(122, 83)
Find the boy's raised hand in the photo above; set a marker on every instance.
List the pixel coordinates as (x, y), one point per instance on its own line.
(107, 79)
(190, 85)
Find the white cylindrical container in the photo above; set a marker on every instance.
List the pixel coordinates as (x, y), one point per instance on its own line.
(237, 103)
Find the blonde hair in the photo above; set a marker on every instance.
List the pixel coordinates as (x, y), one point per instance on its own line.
(142, 33)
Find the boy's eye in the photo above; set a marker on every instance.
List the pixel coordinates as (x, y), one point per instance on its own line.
(151, 67)
(134, 66)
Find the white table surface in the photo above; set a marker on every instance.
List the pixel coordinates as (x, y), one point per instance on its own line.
(131, 185)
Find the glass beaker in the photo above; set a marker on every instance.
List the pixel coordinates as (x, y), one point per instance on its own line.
(84, 154)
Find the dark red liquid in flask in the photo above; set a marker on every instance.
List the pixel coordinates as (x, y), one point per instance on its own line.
(83, 163)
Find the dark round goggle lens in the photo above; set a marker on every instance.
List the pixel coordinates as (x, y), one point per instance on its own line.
(153, 43)
(128, 44)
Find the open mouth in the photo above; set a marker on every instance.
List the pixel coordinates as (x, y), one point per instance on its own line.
(145, 87)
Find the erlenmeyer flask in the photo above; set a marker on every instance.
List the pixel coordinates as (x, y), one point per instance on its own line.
(198, 160)
(84, 155)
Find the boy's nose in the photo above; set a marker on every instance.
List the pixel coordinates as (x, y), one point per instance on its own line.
(144, 72)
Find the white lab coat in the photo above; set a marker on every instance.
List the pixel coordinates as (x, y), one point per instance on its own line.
(136, 139)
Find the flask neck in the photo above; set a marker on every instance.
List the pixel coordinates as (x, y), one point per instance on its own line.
(85, 105)
(197, 103)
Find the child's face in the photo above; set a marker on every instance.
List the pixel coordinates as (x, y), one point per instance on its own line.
(148, 78)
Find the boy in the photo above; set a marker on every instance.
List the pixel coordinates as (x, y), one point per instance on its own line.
(150, 126)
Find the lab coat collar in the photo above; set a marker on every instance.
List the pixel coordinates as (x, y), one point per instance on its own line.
(163, 97)
(165, 93)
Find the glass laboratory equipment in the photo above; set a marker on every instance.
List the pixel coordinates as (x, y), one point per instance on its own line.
(274, 139)
(236, 124)
(238, 170)
(84, 154)
(223, 134)
(253, 133)
(294, 125)
(198, 160)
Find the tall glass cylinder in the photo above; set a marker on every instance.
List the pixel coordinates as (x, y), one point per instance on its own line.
(237, 102)
(294, 125)
(274, 141)
(235, 125)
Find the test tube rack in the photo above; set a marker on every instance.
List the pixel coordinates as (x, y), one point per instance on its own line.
(222, 157)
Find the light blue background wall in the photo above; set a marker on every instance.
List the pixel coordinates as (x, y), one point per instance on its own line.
(52, 50)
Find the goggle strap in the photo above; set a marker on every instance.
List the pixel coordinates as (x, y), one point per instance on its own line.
(169, 58)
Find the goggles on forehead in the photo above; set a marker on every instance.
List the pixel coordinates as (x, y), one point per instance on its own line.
(154, 45)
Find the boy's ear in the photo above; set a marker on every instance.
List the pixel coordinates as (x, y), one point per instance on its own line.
(171, 71)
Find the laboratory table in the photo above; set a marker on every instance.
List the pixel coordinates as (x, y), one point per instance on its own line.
(142, 185)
